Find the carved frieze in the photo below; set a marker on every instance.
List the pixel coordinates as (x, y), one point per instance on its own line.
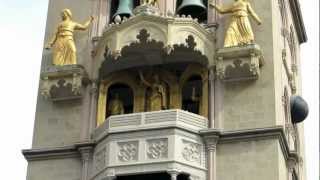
(63, 82)
(239, 63)
(191, 151)
(157, 148)
(128, 151)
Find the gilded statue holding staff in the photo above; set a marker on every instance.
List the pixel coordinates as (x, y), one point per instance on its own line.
(239, 31)
(62, 42)
(157, 99)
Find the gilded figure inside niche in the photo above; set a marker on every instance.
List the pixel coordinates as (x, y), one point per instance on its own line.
(116, 106)
(62, 42)
(239, 31)
(157, 96)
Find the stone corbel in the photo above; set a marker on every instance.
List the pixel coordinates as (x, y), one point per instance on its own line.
(63, 82)
(239, 63)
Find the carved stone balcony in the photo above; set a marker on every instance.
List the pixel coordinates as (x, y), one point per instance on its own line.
(239, 63)
(63, 82)
(129, 146)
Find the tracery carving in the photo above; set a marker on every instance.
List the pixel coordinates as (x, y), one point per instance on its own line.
(191, 151)
(128, 151)
(157, 148)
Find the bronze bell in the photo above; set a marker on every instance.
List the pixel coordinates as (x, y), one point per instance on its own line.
(195, 8)
(125, 8)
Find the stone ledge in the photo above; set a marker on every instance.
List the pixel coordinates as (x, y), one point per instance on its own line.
(71, 151)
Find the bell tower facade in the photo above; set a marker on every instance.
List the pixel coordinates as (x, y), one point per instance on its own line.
(170, 89)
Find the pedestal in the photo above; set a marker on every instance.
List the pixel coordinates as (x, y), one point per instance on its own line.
(63, 82)
(239, 63)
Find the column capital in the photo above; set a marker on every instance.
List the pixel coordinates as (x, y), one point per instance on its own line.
(211, 142)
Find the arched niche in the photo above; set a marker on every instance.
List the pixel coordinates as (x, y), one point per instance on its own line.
(191, 94)
(194, 75)
(121, 94)
(118, 80)
(170, 84)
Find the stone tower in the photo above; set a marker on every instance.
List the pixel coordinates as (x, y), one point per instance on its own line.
(155, 94)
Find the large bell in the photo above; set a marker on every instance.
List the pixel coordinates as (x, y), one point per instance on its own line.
(125, 8)
(195, 8)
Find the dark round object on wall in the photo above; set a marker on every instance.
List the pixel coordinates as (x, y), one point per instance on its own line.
(299, 109)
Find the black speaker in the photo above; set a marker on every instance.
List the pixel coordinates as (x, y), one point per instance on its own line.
(299, 109)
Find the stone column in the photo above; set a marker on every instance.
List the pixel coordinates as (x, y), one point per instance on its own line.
(85, 157)
(211, 146)
(211, 98)
(93, 105)
(212, 14)
(173, 174)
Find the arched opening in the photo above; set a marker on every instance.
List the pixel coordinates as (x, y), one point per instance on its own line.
(191, 94)
(154, 176)
(124, 9)
(119, 100)
(197, 9)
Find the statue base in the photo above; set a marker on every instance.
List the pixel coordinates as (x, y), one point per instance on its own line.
(63, 82)
(239, 63)
(146, 10)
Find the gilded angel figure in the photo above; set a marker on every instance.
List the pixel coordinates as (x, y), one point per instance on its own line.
(62, 43)
(239, 31)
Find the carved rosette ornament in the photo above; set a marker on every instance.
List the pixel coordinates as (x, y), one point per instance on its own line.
(63, 82)
(128, 151)
(157, 148)
(239, 63)
(191, 151)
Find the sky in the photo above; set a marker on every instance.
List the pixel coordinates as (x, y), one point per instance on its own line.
(21, 34)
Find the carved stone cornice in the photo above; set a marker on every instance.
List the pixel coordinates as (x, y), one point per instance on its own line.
(72, 151)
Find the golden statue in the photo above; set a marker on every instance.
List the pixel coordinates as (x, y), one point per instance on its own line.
(239, 31)
(62, 43)
(157, 100)
(150, 2)
(116, 106)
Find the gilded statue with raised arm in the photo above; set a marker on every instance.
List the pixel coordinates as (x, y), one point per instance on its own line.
(62, 43)
(157, 99)
(239, 31)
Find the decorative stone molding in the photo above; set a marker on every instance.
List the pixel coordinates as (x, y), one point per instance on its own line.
(290, 73)
(191, 151)
(134, 55)
(128, 151)
(63, 82)
(239, 63)
(157, 148)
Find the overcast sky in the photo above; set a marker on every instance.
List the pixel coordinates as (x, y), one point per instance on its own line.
(21, 40)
